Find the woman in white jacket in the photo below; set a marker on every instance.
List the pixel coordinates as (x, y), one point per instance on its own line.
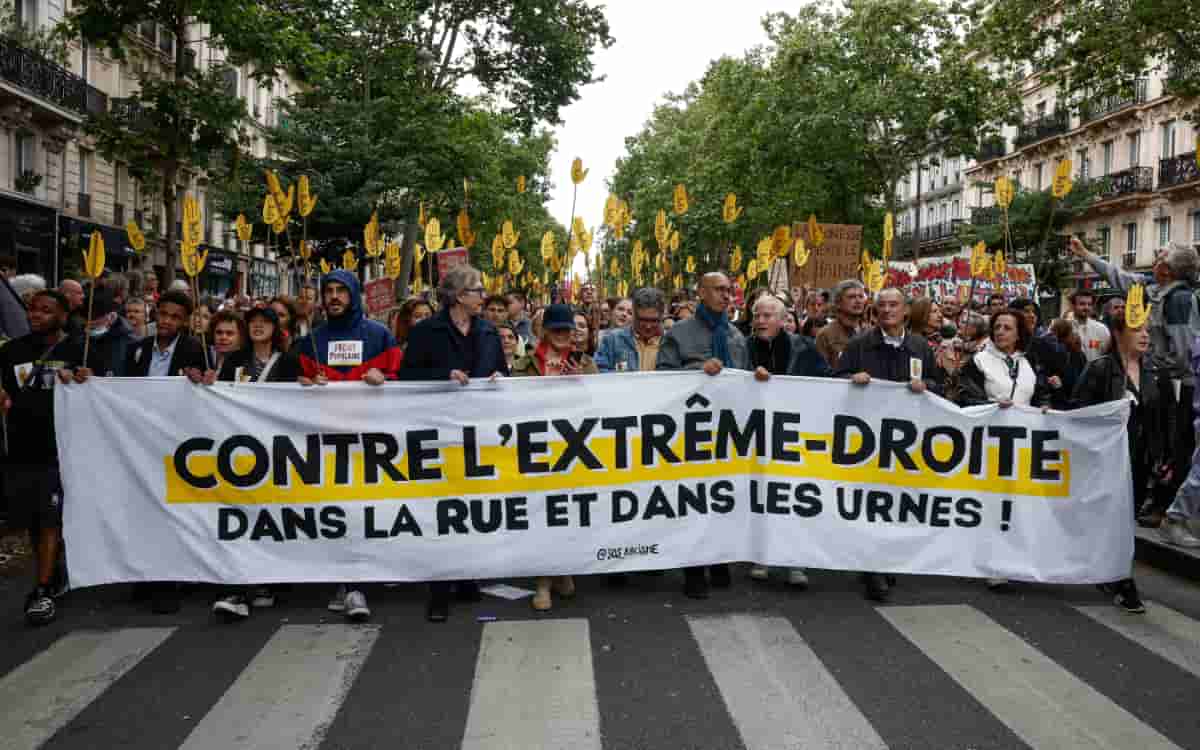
(1001, 372)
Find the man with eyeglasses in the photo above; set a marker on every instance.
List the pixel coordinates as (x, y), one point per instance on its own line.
(707, 341)
(635, 347)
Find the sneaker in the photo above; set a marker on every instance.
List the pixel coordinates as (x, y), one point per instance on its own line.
(356, 606)
(232, 607)
(39, 606)
(263, 597)
(1176, 532)
(1127, 598)
(759, 572)
(338, 602)
(999, 585)
(798, 578)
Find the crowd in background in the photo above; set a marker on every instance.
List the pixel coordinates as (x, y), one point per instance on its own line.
(995, 350)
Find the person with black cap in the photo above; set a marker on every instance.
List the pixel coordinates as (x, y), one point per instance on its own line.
(111, 337)
(555, 355)
(262, 359)
(30, 367)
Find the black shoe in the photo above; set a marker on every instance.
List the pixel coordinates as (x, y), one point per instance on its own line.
(877, 587)
(437, 610)
(617, 580)
(1127, 598)
(719, 575)
(165, 599)
(695, 583)
(468, 591)
(39, 606)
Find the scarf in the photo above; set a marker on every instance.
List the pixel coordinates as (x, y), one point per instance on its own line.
(541, 354)
(719, 325)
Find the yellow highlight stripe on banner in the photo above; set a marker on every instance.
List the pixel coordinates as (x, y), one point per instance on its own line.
(509, 481)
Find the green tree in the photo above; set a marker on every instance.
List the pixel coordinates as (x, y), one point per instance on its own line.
(183, 115)
(382, 123)
(1096, 48)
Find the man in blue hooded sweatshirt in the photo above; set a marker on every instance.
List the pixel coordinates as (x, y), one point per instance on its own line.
(347, 347)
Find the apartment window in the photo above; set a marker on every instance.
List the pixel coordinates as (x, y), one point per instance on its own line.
(1196, 227)
(1164, 231)
(1135, 149)
(24, 154)
(1105, 242)
(1085, 164)
(1168, 139)
(1037, 175)
(1041, 108)
(25, 12)
(954, 208)
(85, 171)
(1107, 150)
(1131, 245)
(118, 184)
(83, 60)
(932, 215)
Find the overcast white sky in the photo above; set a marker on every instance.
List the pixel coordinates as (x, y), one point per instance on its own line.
(660, 45)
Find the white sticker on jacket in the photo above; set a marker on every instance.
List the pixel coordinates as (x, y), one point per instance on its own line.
(914, 368)
(345, 353)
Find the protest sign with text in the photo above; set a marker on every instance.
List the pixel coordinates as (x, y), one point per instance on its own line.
(245, 483)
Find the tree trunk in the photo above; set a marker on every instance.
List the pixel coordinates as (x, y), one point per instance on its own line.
(407, 252)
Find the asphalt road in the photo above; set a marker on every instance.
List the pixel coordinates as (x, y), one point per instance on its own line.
(947, 664)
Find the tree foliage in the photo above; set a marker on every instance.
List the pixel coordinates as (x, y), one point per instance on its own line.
(825, 119)
(1096, 48)
(383, 123)
(181, 115)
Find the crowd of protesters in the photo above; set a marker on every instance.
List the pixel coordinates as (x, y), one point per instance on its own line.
(993, 351)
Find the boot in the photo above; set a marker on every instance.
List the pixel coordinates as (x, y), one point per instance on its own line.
(564, 586)
(541, 600)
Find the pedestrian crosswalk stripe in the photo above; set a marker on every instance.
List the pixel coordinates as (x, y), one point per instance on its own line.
(1171, 635)
(45, 693)
(775, 687)
(290, 692)
(534, 688)
(1043, 703)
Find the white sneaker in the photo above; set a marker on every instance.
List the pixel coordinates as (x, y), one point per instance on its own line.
(797, 577)
(356, 606)
(1177, 533)
(263, 597)
(759, 572)
(233, 606)
(338, 602)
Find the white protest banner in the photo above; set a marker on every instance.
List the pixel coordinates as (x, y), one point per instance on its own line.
(236, 483)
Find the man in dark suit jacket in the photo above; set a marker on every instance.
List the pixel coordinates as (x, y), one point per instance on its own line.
(171, 351)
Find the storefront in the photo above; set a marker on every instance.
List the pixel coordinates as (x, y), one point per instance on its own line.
(27, 232)
(75, 236)
(219, 275)
(264, 278)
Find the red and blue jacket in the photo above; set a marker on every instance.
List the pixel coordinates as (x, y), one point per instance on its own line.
(379, 348)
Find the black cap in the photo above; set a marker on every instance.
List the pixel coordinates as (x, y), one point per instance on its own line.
(558, 317)
(262, 312)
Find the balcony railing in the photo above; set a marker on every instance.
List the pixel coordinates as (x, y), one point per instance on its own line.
(941, 231)
(1126, 182)
(1042, 128)
(1178, 170)
(992, 148)
(986, 216)
(1093, 109)
(131, 113)
(36, 74)
(119, 214)
(85, 204)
